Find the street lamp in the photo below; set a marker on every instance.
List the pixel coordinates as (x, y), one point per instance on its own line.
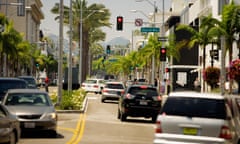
(154, 24)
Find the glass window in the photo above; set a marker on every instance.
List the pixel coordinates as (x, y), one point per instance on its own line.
(195, 107)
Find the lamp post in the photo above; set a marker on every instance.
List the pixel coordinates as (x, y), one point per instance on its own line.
(154, 24)
(70, 49)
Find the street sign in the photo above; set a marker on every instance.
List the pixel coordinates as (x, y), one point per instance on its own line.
(150, 29)
(162, 38)
(138, 22)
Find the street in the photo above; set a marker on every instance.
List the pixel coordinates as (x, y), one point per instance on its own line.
(98, 125)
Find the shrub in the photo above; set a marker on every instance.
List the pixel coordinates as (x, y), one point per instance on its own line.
(211, 75)
(70, 100)
(234, 70)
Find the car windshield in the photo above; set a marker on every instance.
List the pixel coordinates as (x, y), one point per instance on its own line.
(19, 99)
(91, 81)
(143, 91)
(195, 107)
(114, 86)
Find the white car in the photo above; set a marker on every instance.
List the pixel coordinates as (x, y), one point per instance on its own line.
(93, 85)
(112, 90)
(192, 117)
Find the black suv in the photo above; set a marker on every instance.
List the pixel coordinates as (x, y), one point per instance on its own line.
(10, 83)
(139, 101)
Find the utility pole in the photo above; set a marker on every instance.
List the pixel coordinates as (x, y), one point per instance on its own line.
(60, 73)
(70, 49)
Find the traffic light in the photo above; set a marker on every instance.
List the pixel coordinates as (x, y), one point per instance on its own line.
(216, 55)
(163, 54)
(108, 49)
(119, 23)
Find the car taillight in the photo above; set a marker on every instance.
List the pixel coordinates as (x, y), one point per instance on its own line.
(129, 96)
(104, 90)
(158, 127)
(95, 86)
(225, 133)
(122, 92)
(83, 85)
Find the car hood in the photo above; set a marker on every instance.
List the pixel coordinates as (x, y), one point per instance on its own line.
(30, 109)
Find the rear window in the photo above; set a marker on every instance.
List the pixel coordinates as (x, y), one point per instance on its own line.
(11, 84)
(91, 81)
(195, 107)
(147, 91)
(115, 86)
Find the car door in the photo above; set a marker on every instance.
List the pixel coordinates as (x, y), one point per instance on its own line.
(5, 123)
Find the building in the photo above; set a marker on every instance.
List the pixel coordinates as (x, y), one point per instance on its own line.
(26, 15)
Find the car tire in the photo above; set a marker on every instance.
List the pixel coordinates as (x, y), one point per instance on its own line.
(154, 118)
(13, 139)
(119, 114)
(103, 100)
(123, 117)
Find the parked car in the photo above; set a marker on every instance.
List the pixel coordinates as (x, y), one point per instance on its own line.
(30, 80)
(233, 102)
(93, 85)
(193, 117)
(112, 90)
(10, 131)
(139, 101)
(7, 83)
(33, 108)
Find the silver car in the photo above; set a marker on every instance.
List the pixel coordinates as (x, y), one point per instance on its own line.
(33, 108)
(192, 117)
(112, 90)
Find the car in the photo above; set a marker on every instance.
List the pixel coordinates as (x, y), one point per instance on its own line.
(139, 101)
(193, 117)
(30, 80)
(233, 102)
(33, 108)
(7, 83)
(10, 131)
(93, 85)
(112, 90)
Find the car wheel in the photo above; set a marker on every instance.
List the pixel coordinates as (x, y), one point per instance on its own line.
(119, 114)
(103, 100)
(154, 118)
(53, 133)
(13, 139)
(123, 117)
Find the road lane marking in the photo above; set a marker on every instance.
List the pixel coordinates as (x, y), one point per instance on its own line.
(66, 129)
(81, 130)
(75, 135)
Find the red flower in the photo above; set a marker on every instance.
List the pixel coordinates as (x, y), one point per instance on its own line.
(234, 70)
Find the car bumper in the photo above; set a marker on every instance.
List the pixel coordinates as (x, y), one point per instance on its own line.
(141, 111)
(187, 139)
(110, 96)
(39, 125)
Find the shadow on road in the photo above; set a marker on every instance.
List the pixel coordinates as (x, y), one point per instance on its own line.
(40, 134)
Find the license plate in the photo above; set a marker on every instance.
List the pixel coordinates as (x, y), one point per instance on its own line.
(143, 103)
(190, 131)
(29, 125)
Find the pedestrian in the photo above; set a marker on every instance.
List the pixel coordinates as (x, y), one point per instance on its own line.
(46, 84)
(197, 85)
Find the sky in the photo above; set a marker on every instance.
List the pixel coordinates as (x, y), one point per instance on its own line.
(116, 7)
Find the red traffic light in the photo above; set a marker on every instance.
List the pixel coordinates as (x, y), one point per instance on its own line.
(163, 50)
(119, 23)
(119, 19)
(163, 54)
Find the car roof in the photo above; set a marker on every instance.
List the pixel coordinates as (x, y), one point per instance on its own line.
(10, 78)
(26, 91)
(193, 94)
(114, 82)
(25, 77)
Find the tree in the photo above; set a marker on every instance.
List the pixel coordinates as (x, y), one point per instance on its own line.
(94, 16)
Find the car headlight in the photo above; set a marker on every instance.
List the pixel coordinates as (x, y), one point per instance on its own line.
(51, 116)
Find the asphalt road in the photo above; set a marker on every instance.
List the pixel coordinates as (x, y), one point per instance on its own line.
(98, 125)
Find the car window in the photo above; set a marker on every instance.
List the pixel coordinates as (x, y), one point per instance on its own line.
(195, 107)
(143, 91)
(19, 99)
(91, 81)
(2, 113)
(115, 86)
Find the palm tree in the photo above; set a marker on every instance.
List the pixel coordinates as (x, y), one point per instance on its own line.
(201, 37)
(94, 16)
(228, 27)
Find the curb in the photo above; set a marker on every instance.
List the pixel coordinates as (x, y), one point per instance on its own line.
(82, 110)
